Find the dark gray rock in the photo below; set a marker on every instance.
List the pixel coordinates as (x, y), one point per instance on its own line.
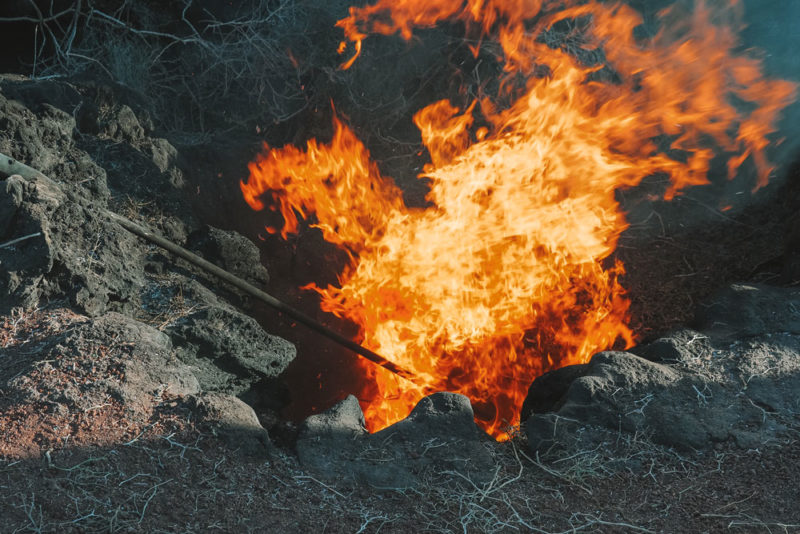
(683, 345)
(623, 392)
(84, 257)
(229, 350)
(92, 145)
(342, 422)
(140, 355)
(10, 201)
(130, 364)
(548, 391)
(231, 251)
(220, 333)
(39, 129)
(24, 265)
(100, 265)
(768, 368)
(121, 124)
(439, 437)
(735, 381)
(151, 370)
(234, 422)
(749, 310)
(163, 155)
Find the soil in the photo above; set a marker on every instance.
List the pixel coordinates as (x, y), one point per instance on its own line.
(138, 394)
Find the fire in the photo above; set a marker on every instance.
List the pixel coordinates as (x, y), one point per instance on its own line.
(507, 275)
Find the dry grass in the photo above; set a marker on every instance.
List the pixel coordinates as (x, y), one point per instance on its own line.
(164, 303)
(167, 476)
(26, 327)
(192, 65)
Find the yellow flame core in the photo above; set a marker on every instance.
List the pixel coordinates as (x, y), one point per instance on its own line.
(503, 277)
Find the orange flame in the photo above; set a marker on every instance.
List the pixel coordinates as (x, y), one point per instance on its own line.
(504, 277)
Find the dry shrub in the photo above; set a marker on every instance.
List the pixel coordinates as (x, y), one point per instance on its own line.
(197, 62)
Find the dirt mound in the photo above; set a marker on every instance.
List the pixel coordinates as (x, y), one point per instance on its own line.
(153, 317)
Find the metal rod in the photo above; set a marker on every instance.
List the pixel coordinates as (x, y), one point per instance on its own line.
(20, 239)
(10, 166)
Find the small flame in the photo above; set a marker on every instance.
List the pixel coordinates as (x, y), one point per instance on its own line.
(507, 275)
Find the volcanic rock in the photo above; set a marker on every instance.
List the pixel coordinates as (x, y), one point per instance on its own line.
(221, 333)
(734, 381)
(438, 437)
(189, 343)
(234, 421)
(85, 258)
(326, 441)
(23, 265)
(231, 251)
(682, 345)
(10, 201)
(39, 129)
(229, 349)
(151, 369)
(745, 310)
(550, 390)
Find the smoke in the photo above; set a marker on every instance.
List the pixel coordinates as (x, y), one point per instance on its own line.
(772, 27)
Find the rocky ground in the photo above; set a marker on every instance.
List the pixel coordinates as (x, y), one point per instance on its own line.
(140, 394)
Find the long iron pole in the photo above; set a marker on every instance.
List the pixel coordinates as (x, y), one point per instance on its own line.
(9, 166)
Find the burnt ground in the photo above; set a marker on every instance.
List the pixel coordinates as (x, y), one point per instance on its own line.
(138, 394)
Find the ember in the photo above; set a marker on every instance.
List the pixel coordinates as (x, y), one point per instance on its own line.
(504, 277)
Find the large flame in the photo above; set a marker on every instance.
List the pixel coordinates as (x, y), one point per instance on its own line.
(507, 274)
